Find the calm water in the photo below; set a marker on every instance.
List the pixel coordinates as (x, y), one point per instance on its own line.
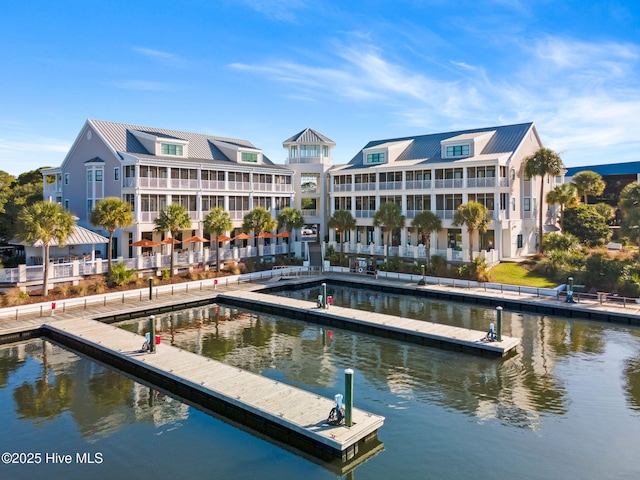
(566, 406)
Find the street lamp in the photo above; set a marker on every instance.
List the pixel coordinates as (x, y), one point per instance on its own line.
(423, 280)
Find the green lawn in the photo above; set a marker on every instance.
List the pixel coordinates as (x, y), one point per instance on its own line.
(516, 274)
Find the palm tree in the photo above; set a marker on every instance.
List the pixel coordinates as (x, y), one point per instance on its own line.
(630, 206)
(427, 222)
(342, 221)
(563, 195)
(474, 216)
(216, 222)
(389, 217)
(172, 219)
(258, 221)
(542, 163)
(290, 218)
(111, 213)
(45, 222)
(588, 183)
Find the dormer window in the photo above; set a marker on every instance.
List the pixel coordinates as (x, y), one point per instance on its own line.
(249, 157)
(171, 149)
(376, 157)
(457, 150)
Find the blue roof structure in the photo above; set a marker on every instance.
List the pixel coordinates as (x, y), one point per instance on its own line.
(628, 168)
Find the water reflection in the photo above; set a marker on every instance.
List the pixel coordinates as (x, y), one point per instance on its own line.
(515, 391)
(55, 382)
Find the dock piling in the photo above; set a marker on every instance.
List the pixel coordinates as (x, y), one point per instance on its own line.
(499, 324)
(152, 334)
(348, 393)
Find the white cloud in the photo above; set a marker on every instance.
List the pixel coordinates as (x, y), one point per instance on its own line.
(281, 10)
(160, 56)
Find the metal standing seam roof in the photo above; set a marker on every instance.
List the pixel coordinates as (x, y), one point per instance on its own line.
(428, 148)
(626, 168)
(201, 146)
(79, 236)
(309, 135)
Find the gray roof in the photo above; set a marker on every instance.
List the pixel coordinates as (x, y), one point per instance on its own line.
(506, 139)
(309, 135)
(201, 146)
(79, 236)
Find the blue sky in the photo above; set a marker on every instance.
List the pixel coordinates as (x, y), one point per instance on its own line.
(355, 71)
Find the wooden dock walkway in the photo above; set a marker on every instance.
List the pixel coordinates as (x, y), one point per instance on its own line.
(288, 414)
(416, 331)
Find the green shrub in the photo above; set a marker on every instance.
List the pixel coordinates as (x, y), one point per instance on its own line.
(120, 275)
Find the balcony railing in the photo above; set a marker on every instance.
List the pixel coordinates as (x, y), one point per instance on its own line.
(152, 182)
(301, 160)
(310, 213)
(418, 184)
(239, 186)
(390, 185)
(363, 187)
(213, 185)
(282, 187)
(263, 187)
(183, 183)
(237, 214)
(342, 187)
(365, 213)
(449, 183)
(481, 182)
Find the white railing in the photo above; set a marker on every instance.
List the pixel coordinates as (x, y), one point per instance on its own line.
(390, 185)
(342, 187)
(449, 183)
(212, 185)
(418, 184)
(481, 182)
(309, 213)
(153, 182)
(361, 187)
(365, 213)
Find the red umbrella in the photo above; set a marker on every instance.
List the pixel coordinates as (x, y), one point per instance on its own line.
(195, 238)
(145, 243)
(266, 235)
(242, 236)
(223, 238)
(169, 241)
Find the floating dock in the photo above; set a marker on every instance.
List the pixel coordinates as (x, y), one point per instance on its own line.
(407, 330)
(287, 414)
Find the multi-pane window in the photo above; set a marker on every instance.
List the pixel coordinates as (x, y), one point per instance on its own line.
(89, 175)
(130, 198)
(397, 199)
(486, 199)
(66, 179)
(116, 174)
(457, 150)
(171, 149)
(187, 201)
(238, 203)
(342, 203)
(375, 157)
(526, 204)
(309, 150)
(212, 201)
(366, 203)
(418, 202)
(249, 157)
(98, 175)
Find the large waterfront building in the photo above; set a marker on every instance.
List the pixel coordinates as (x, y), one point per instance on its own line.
(151, 168)
(154, 167)
(439, 172)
